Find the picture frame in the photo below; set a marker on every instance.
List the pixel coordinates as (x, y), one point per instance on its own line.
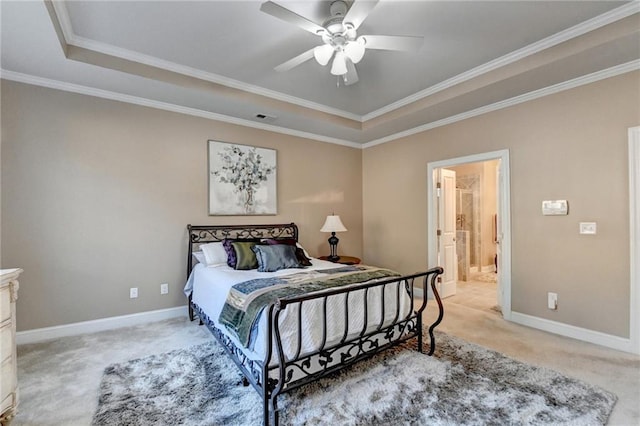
(242, 179)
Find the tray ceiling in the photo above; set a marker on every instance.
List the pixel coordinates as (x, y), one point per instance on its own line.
(215, 59)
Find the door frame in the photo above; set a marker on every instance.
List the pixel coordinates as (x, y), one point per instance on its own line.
(634, 239)
(504, 203)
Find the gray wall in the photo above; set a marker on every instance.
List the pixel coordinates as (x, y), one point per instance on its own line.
(96, 196)
(571, 145)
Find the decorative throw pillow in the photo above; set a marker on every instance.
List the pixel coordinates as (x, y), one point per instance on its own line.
(273, 241)
(232, 259)
(300, 254)
(274, 257)
(214, 254)
(245, 257)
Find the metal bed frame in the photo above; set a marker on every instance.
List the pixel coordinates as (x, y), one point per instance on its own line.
(270, 379)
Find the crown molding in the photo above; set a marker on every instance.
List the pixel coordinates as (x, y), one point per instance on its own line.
(104, 94)
(73, 39)
(577, 30)
(136, 100)
(546, 91)
(565, 35)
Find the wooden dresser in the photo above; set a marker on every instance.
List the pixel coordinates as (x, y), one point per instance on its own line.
(8, 360)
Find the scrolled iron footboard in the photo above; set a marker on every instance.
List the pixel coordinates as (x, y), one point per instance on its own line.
(366, 344)
(285, 374)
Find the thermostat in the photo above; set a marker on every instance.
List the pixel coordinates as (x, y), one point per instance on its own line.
(555, 207)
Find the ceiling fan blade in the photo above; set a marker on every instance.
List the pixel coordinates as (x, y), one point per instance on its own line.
(287, 15)
(359, 11)
(294, 62)
(351, 77)
(386, 42)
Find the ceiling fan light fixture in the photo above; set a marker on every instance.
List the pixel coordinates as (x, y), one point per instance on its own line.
(323, 54)
(341, 43)
(354, 51)
(339, 66)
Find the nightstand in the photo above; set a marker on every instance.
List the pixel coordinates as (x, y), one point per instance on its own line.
(345, 260)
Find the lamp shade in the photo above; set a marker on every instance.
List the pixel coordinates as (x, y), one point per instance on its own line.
(323, 54)
(354, 50)
(333, 224)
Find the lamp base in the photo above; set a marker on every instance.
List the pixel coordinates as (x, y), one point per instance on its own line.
(333, 244)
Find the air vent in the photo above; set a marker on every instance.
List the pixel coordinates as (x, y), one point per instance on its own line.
(266, 117)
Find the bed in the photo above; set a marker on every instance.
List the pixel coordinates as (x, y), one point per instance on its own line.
(290, 326)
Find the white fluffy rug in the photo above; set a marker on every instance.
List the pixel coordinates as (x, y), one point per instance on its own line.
(463, 384)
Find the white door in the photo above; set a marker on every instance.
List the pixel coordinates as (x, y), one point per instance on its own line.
(447, 256)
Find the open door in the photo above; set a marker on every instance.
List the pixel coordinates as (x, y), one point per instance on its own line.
(441, 247)
(447, 255)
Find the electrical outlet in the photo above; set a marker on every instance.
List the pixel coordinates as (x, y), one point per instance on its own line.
(552, 301)
(164, 288)
(588, 228)
(133, 292)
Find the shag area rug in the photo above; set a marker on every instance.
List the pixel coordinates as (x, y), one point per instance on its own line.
(463, 384)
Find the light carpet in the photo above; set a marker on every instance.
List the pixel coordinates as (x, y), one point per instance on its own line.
(463, 384)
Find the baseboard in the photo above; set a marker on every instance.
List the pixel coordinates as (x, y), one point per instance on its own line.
(603, 339)
(488, 268)
(48, 333)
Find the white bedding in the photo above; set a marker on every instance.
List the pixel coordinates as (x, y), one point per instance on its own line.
(209, 287)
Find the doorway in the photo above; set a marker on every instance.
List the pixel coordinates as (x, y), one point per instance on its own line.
(476, 207)
(479, 273)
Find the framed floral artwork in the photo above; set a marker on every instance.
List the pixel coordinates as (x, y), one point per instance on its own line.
(242, 180)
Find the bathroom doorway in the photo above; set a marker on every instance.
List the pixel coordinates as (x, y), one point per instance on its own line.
(482, 262)
(476, 234)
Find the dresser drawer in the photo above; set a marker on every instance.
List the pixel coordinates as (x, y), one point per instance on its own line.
(5, 303)
(7, 378)
(6, 342)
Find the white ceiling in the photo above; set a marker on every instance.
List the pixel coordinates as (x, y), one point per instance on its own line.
(215, 59)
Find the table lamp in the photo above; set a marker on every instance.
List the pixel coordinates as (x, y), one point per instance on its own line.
(333, 224)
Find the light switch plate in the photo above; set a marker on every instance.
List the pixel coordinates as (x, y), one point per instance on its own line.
(588, 228)
(555, 207)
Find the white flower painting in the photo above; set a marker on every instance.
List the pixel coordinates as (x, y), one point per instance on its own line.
(242, 180)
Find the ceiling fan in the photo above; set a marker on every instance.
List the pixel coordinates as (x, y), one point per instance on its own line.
(340, 40)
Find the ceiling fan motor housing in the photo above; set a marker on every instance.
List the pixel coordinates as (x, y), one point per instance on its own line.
(334, 24)
(338, 8)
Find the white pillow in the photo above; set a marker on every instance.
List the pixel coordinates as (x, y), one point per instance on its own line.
(214, 254)
(199, 257)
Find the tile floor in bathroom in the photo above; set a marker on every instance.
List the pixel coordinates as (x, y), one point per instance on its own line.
(479, 292)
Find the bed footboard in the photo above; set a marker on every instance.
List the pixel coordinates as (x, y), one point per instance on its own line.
(298, 371)
(277, 374)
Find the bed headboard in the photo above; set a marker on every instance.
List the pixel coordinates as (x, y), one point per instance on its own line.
(203, 234)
